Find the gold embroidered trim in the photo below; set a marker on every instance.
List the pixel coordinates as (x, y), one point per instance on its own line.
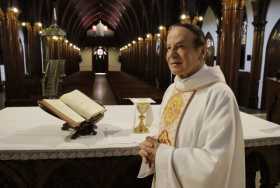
(172, 116)
(173, 109)
(164, 138)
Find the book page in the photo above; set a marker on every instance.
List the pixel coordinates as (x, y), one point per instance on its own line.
(82, 104)
(63, 111)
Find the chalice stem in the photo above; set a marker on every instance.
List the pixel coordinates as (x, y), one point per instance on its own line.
(141, 128)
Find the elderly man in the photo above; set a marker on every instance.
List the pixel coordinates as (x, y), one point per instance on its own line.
(200, 142)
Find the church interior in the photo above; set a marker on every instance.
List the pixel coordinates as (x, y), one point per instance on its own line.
(114, 50)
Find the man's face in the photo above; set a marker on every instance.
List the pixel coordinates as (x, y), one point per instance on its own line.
(182, 58)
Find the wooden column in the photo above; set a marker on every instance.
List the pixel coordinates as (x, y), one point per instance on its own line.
(230, 44)
(219, 31)
(139, 57)
(260, 9)
(148, 58)
(154, 60)
(34, 51)
(33, 62)
(13, 60)
(164, 73)
(2, 20)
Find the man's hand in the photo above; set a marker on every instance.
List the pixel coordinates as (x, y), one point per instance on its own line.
(148, 149)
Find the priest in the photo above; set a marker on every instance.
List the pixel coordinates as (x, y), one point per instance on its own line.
(200, 142)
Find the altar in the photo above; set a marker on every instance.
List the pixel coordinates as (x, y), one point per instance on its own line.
(35, 152)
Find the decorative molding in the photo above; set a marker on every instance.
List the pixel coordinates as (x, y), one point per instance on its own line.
(66, 154)
(260, 142)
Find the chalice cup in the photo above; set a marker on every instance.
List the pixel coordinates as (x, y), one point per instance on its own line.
(142, 109)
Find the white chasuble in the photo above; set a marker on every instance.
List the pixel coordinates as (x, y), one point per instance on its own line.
(205, 148)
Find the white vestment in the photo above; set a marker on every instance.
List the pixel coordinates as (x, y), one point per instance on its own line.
(209, 150)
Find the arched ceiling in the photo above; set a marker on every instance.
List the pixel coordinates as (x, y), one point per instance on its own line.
(127, 18)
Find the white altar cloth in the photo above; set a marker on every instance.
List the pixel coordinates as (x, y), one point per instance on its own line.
(31, 133)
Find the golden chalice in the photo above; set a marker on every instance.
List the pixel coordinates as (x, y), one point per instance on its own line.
(142, 109)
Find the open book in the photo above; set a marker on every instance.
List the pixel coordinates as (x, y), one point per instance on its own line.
(74, 108)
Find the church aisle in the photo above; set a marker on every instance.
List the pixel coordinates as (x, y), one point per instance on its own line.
(102, 92)
(96, 87)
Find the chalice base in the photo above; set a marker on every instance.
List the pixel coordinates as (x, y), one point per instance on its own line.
(142, 129)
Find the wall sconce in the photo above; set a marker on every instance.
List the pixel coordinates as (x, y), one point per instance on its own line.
(14, 10)
(183, 16)
(39, 24)
(149, 35)
(200, 18)
(54, 37)
(161, 27)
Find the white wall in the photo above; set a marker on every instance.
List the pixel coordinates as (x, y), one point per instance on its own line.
(86, 64)
(114, 64)
(2, 73)
(210, 25)
(22, 49)
(86, 55)
(250, 35)
(273, 16)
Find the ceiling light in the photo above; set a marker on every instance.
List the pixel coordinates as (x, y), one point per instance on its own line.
(100, 30)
